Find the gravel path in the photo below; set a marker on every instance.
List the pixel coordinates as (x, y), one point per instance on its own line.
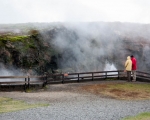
(67, 103)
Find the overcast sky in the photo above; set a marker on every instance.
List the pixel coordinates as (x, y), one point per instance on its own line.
(23, 11)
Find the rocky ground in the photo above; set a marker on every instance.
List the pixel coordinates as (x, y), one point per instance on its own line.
(68, 102)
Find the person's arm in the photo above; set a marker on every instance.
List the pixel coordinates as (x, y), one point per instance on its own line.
(126, 64)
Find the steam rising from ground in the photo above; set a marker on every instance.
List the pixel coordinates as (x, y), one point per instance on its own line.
(12, 71)
(109, 67)
(92, 46)
(9, 72)
(97, 46)
(84, 47)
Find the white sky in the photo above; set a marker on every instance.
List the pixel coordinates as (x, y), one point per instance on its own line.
(23, 11)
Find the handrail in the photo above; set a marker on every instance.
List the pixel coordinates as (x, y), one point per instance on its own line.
(83, 76)
(26, 82)
(12, 77)
(143, 72)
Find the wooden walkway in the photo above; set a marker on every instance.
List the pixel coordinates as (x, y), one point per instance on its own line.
(25, 82)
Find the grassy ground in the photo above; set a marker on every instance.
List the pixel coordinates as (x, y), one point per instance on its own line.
(10, 105)
(142, 116)
(127, 91)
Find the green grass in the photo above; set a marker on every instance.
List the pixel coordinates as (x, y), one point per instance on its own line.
(13, 38)
(142, 116)
(10, 105)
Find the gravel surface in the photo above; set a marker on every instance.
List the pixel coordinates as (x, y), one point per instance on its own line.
(68, 103)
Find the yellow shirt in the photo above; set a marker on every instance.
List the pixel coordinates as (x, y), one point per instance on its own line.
(128, 64)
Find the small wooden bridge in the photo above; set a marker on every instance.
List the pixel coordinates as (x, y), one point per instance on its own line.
(25, 82)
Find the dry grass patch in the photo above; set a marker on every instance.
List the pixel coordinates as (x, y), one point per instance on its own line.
(134, 91)
(10, 105)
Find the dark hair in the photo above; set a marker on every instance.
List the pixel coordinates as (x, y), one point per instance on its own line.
(132, 56)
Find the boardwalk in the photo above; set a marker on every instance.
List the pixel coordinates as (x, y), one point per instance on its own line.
(27, 81)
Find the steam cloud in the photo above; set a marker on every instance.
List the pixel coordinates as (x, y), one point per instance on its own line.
(97, 46)
(84, 47)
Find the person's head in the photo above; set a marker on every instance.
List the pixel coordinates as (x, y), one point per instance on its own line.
(132, 56)
(128, 58)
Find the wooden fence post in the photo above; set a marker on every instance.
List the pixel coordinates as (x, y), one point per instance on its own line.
(105, 75)
(45, 79)
(28, 82)
(118, 75)
(92, 76)
(25, 85)
(78, 77)
(63, 77)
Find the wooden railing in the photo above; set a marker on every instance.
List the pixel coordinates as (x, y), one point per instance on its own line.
(144, 76)
(84, 76)
(28, 81)
(25, 81)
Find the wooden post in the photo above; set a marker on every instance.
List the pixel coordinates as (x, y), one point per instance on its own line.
(78, 77)
(25, 85)
(28, 82)
(63, 77)
(105, 75)
(92, 76)
(118, 75)
(44, 79)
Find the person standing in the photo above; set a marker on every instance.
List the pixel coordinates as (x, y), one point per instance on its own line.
(128, 68)
(134, 67)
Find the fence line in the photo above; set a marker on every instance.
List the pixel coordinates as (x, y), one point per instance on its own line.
(70, 77)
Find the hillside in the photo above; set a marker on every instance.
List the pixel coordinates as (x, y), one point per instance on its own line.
(68, 47)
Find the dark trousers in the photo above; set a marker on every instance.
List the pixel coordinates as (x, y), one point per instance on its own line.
(129, 76)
